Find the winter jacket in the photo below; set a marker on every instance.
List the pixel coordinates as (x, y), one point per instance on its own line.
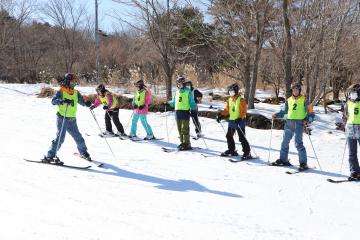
(147, 103)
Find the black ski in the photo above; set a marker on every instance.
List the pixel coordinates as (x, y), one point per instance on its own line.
(233, 160)
(299, 170)
(343, 180)
(168, 150)
(108, 136)
(96, 163)
(64, 165)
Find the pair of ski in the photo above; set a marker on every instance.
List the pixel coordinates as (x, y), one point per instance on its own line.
(135, 139)
(350, 179)
(96, 163)
(169, 150)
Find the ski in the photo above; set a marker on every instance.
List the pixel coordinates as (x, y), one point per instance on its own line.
(343, 180)
(108, 136)
(168, 150)
(299, 170)
(241, 160)
(96, 163)
(64, 165)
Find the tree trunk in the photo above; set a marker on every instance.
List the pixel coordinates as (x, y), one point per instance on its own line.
(288, 48)
(247, 77)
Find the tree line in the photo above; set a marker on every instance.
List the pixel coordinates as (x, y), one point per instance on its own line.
(253, 42)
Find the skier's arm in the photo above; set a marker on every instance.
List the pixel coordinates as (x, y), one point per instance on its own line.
(282, 112)
(310, 112)
(225, 113)
(147, 98)
(110, 99)
(243, 109)
(81, 100)
(172, 102)
(57, 99)
(192, 101)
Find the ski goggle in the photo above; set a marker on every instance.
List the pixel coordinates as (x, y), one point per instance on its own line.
(353, 95)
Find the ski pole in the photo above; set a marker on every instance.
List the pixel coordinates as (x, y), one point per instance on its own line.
(197, 126)
(342, 160)
(314, 151)
(93, 114)
(127, 124)
(222, 127)
(61, 130)
(166, 123)
(271, 131)
(251, 149)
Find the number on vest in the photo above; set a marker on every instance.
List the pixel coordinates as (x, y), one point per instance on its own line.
(180, 99)
(356, 111)
(294, 106)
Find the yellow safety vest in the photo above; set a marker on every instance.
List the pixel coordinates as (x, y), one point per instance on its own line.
(104, 101)
(234, 108)
(140, 98)
(71, 109)
(182, 101)
(297, 108)
(353, 112)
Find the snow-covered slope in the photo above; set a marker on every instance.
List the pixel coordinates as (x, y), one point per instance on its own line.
(148, 194)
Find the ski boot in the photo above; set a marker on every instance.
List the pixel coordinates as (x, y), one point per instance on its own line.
(47, 159)
(355, 176)
(303, 166)
(246, 156)
(149, 138)
(86, 156)
(185, 147)
(180, 146)
(229, 153)
(280, 162)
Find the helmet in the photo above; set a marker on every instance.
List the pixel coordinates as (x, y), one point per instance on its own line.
(100, 89)
(67, 78)
(354, 88)
(296, 85)
(180, 80)
(233, 87)
(140, 84)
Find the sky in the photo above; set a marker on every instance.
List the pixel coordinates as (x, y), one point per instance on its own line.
(108, 9)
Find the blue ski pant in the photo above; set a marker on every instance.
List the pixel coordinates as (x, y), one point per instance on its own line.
(353, 159)
(144, 122)
(71, 127)
(293, 127)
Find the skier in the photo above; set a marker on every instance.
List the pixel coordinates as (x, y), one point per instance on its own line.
(194, 113)
(298, 113)
(236, 110)
(141, 103)
(67, 99)
(111, 106)
(352, 120)
(183, 102)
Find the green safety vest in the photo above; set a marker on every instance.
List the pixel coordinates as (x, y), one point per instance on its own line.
(296, 108)
(71, 110)
(234, 108)
(104, 101)
(140, 98)
(353, 112)
(182, 101)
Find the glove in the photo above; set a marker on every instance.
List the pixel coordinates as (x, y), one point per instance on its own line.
(218, 118)
(141, 107)
(310, 119)
(135, 106)
(105, 107)
(67, 101)
(193, 112)
(92, 107)
(88, 103)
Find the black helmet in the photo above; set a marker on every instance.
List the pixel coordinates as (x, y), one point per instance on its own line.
(100, 89)
(234, 87)
(180, 80)
(140, 84)
(296, 85)
(67, 78)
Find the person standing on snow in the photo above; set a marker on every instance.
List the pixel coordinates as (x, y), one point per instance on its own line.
(183, 102)
(195, 113)
(351, 118)
(298, 113)
(140, 104)
(67, 99)
(236, 110)
(111, 106)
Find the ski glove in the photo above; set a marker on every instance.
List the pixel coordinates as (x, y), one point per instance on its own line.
(218, 118)
(92, 107)
(193, 113)
(88, 103)
(105, 107)
(67, 101)
(141, 107)
(135, 106)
